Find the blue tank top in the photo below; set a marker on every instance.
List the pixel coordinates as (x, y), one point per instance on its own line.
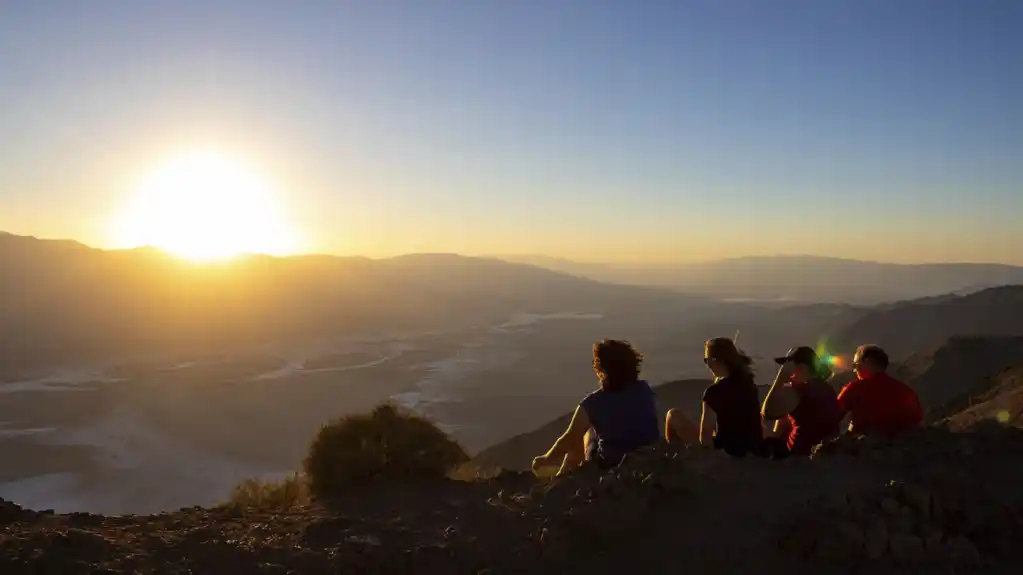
(623, 420)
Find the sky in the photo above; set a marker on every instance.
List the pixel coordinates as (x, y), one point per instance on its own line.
(648, 131)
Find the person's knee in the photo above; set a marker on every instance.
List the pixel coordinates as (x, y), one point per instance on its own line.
(676, 418)
(677, 427)
(673, 415)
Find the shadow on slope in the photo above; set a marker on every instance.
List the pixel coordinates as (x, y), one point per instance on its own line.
(1002, 403)
(947, 377)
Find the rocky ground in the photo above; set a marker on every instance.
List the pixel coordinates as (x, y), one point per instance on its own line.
(933, 502)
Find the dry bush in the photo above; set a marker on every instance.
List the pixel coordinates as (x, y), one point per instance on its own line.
(471, 471)
(292, 491)
(386, 444)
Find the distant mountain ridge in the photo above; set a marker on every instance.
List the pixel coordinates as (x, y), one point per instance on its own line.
(1002, 402)
(63, 301)
(949, 375)
(906, 327)
(800, 278)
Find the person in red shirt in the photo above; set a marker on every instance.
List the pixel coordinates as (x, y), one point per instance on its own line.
(802, 403)
(875, 403)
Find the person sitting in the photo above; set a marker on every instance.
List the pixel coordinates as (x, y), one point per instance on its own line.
(730, 419)
(875, 403)
(619, 417)
(802, 403)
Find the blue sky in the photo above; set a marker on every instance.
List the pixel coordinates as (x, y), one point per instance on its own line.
(598, 130)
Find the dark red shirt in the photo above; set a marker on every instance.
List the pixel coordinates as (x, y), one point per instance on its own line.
(816, 418)
(881, 405)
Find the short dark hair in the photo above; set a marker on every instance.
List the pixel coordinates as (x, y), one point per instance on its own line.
(618, 361)
(874, 354)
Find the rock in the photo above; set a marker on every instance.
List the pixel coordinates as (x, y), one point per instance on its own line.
(890, 506)
(859, 506)
(906, 549)
(875, 538)
(904, 521)
(917, 498)
(839, 542)
(962, 551)
(554, 545)
(368, 540)
(609, 485)
(934, 544)
(799, 541)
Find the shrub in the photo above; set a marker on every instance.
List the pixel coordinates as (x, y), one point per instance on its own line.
(291, 491)
(473, 471)
(385, 444)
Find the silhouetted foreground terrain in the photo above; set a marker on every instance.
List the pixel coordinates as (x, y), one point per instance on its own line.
(934, 500)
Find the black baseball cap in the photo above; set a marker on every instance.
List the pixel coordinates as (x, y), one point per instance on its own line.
(802, 354)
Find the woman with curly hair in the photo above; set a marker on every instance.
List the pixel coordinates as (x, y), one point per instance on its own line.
(618, 417)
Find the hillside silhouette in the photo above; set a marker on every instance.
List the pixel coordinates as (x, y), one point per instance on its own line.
(797, 277)
(1002, 402)
(906, 327)
(62, 302)
(949, 376)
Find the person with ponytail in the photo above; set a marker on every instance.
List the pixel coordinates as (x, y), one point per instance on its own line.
(730, 418)
(802, 404)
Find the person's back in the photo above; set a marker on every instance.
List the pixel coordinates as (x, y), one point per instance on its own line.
(816, 418)
(622, 419)
(878, 404)
(881, 405)
(736, 403)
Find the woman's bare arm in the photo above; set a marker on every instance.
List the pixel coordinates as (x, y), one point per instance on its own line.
(708, 425)
(781, 399)
(569, 444)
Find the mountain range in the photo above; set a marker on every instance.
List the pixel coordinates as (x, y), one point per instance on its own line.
(61, 301)
(799, 278)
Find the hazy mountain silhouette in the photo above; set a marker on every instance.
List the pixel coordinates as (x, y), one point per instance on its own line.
(61, 301)
(1002, 402)
(948, 376)
(910, 326)
(797, 277)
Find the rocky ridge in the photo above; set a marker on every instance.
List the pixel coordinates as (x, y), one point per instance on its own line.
(937, 499)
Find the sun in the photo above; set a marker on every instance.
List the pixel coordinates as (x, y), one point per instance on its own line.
(205, 206)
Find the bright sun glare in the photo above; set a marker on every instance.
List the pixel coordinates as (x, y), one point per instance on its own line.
(205, 207)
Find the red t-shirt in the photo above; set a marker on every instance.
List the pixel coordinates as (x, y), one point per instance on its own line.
(881, 405)
(816, 418)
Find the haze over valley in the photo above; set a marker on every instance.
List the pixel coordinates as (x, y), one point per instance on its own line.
(135, 382)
